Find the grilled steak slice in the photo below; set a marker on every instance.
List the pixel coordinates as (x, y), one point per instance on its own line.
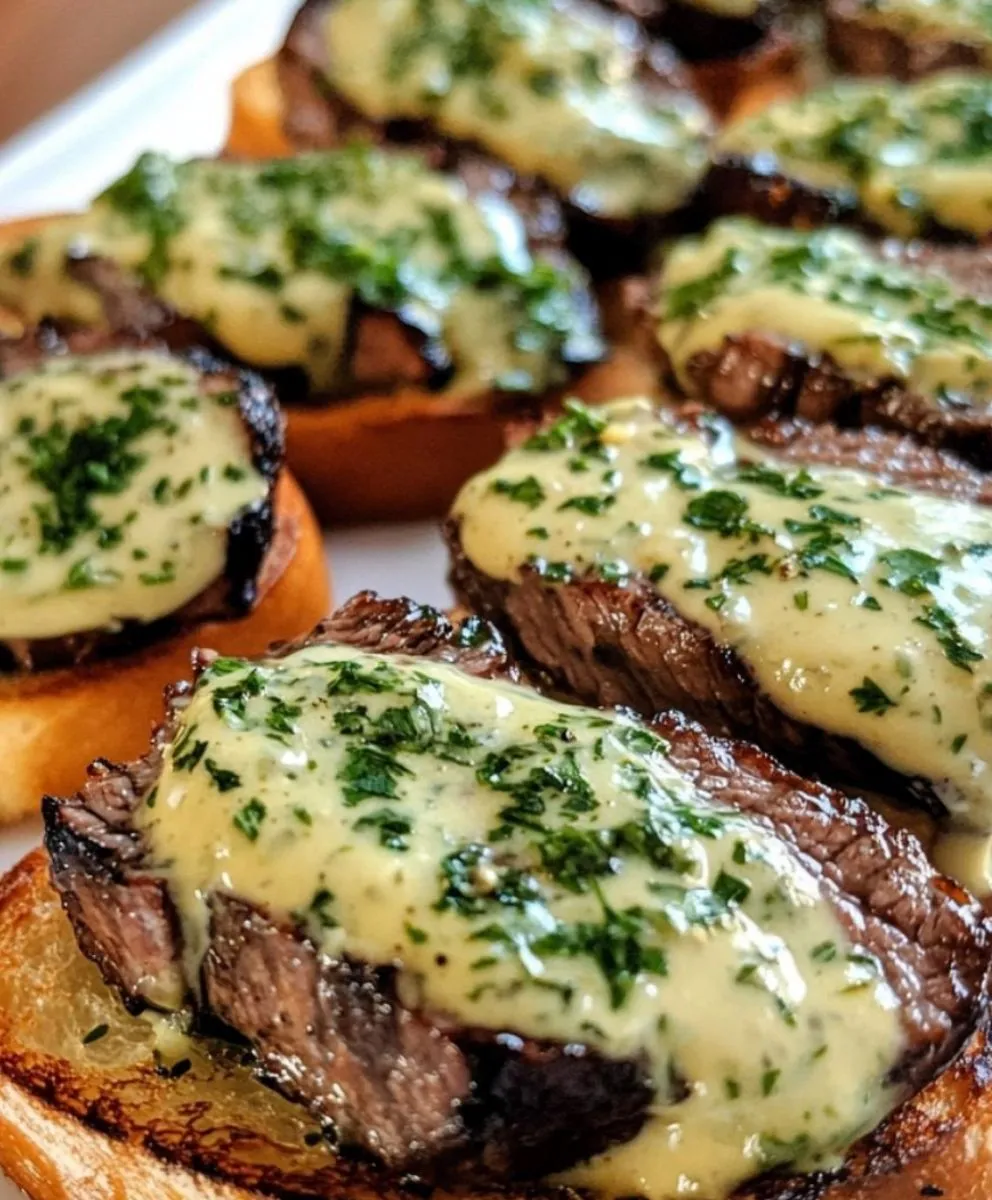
(465, 1102)
(878, 154)
(754, 373)
(318, 117)
(626, 644)
(385, 349)
(860, 45)
(755, 186)
(334, 1034)
(251, 534)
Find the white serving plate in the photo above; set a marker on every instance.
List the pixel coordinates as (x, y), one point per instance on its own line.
(174, 95)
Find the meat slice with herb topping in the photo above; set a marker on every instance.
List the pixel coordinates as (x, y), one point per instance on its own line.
(502, 977)
(569, 103)
(832, 326)
(137, 497)
(825, 593)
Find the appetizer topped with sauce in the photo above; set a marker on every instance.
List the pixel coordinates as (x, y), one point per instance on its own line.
(516, 940)
(137, 488)
(139, 510)
(912, 160)
(830, 325)
(363, 271)
(400, 311)
(827, 594)
(568, 95)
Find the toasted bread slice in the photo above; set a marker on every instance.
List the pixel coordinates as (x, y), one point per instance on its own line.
(46, 1145)
(55, 722)
(257, 114)
(94, 1102)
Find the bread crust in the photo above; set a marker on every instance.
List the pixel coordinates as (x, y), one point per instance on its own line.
(727, 83)
(53, 1157)
(54, 723)
(55, 1115)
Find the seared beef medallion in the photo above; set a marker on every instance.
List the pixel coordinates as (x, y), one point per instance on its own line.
(338, 274)
(822, 592)
(907, 159)
(831, 326)
(567, 101)
(907, 39)
(488, 935)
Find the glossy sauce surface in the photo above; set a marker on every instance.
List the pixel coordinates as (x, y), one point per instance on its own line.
(553, 88)
(539, 868)
(859, 609)
(119, 477)
(272, 256)
(728, 8)
(827, 292)
(910, 153)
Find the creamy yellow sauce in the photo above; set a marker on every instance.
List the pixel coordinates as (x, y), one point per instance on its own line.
(119, 478)
(860, 610)
(909, 154)
(491, 844)
(738, 9)
(828, 292)
(271, 257)
(552, 89)
(967, 21)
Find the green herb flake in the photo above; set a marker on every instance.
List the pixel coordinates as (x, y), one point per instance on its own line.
(249, 818)
(528, 491)
(870, 698)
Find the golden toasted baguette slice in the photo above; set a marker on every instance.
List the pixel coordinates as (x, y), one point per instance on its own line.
(47, 1151)
(96, 1104)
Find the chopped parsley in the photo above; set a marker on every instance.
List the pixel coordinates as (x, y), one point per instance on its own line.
(870, 698)
(249, 819)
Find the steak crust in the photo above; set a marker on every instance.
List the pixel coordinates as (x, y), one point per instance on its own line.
(755, 186)
(627, 645)
(250, 535)
(754, 374)
(467, 1104)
